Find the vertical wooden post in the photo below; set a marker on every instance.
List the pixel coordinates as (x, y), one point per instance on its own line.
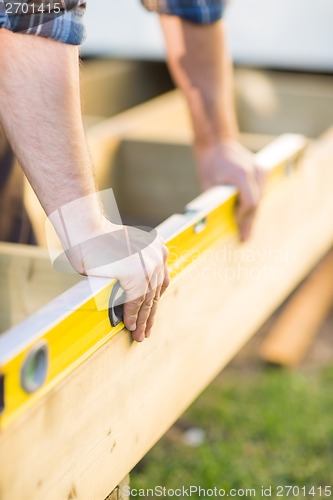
(118, 493)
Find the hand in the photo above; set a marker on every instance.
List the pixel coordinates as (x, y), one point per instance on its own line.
(230, 163)
(135, 257)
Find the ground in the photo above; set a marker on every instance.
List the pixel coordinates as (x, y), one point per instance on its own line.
(255, 426)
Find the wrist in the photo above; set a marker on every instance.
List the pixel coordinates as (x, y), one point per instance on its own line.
(216, 143)
(215, 139)
(212, 126)
(79, 221)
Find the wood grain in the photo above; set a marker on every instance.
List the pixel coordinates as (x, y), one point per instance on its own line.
(28, 282)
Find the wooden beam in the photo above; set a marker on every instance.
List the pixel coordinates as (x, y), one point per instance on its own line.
(96, 425)
(294, 330)
(272, 102)
(28, 282)
(119, 493)
(110, 86)
(152, 157)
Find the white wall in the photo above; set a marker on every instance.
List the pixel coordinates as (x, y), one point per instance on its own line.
(276, 33)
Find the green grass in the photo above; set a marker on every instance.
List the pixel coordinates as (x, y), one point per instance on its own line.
(269, 427)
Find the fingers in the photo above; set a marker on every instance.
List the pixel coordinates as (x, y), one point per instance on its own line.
(260, 177)
(229, 163)
(164, 283)
(247, 205)
(139, 314)
(131, 312)
(165, 276)
(250, 192)
(143, 315)
(147, 315)
(245, 224)
(166, 279)
(147, 311)
(152, 313)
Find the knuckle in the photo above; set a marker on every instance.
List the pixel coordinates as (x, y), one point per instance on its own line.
(252, 205)
(147, 305)
(131, 316)
(248, 211)
(131, 312)
(134, 305)
(244, 176)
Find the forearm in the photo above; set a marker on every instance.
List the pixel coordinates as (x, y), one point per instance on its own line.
(40, 113)
(201, 67)
(199, 61)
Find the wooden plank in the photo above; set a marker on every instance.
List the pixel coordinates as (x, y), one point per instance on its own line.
(271, 102)
(152, 157)
(119, 493)
(155, 166)
(104, 138)
(293, 332)
(93, 428)
(110, 86)
(28, 282)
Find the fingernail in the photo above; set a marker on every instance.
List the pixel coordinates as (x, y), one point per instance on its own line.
(132, 328)
(142, 337)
